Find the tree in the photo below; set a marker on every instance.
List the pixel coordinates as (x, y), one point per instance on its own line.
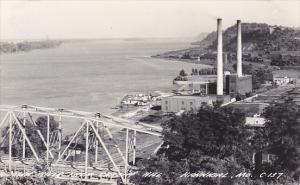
(213, 132)
(182, 73)
(33, 136)
(281, 138)
(209, 140)
(186, 56)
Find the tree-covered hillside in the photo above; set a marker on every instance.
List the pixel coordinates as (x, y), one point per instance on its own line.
(256, 37)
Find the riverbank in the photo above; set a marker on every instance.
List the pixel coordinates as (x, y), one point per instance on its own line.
(26, 46)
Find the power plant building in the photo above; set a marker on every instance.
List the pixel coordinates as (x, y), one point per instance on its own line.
(192, 92)
(238, 85)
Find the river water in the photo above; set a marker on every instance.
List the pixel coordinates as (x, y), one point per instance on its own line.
(88, 76)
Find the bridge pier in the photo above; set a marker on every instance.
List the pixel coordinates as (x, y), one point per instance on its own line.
(86, 149)
(48, 139)
(24, 142)
(10, 143)
(134, 147)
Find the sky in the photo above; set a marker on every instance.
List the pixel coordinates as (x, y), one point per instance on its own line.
(40, 19)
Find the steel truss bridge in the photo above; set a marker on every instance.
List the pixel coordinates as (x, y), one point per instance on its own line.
(102, 149)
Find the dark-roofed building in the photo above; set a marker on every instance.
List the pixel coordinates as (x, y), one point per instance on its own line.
(252, 112)
(250, 109)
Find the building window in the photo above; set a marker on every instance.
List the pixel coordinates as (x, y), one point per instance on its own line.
(191, 103)
(182, 102)
(166, 102)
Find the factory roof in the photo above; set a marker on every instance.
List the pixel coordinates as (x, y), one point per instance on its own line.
(190, 97)
(202, 78)
(250, 109)
(190, 82)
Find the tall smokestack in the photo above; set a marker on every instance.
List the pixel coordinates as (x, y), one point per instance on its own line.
(239, 49)
(219, 59)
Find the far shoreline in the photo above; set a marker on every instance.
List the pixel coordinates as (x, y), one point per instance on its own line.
(7, 47)
(210, 63)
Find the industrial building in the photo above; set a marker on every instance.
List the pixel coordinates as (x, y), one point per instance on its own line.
(207, 84)
(196, 85)
(195, 90)
(187, 103)
(238, 85)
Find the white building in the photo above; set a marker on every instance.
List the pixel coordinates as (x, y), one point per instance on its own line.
(284, 81)
(255, 121)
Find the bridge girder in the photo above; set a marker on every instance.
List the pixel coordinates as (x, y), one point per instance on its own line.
(90, 121)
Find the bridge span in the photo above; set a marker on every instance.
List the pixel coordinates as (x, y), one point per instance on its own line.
(102, 149)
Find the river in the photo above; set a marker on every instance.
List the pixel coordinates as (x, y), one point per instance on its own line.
(89, 75)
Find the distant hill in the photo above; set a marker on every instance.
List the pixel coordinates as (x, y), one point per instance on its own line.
(200, 37)
(256, 37)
